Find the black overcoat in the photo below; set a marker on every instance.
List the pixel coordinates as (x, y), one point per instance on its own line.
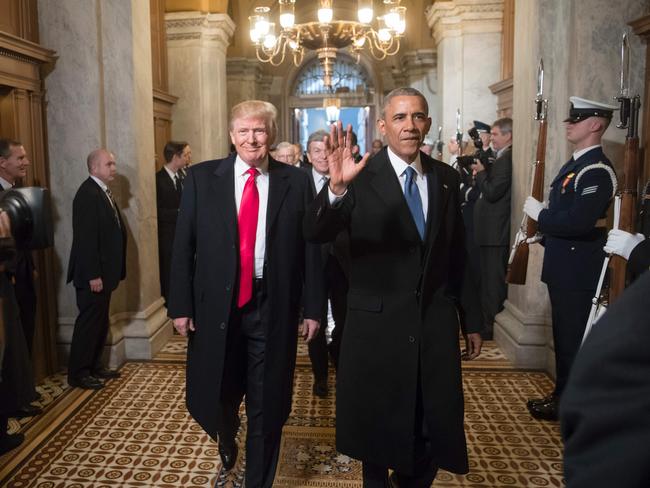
(204, 276)
(402, 321)
(168, 201)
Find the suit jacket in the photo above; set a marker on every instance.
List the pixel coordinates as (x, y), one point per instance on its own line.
(605, 405)
(98, 241)
(168, 201)
(492, 209)
(402, 322)
(580, 195)
(640, 257)
(204, 277)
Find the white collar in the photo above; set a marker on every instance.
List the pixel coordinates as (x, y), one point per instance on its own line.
(582, 152)
(5, 184)
(101, 184)
(241, 166)
(399, 165)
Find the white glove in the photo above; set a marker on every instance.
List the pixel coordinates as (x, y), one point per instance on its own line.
(532, 208)
(535, 239)
(622, 243)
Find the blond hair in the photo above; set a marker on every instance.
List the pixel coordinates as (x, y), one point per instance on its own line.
(257, 109)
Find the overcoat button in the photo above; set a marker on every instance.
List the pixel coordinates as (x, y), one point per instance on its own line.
(411, 339)
(222, 325)
(227, 287)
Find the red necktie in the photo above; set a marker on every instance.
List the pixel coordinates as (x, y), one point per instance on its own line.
(248, 210)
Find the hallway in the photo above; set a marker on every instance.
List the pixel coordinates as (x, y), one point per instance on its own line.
(136, 432)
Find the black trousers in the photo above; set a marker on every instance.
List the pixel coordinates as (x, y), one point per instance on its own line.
(569, 312)
(244, 375)
(337, 290)
(90, 331)
(494, 290)
(26, 298)
(424, 467)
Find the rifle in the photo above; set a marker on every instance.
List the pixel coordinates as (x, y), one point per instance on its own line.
(518, 262)
(459, 133)
(439, 143)
(629, 116)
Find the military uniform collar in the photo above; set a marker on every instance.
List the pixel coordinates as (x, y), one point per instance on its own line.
(582, 152)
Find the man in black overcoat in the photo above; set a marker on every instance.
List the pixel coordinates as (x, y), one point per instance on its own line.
(239, 268)
(492, 222)
(169, 188)
(605, 405)
(399, 387)
(97, 265)
(335, 259)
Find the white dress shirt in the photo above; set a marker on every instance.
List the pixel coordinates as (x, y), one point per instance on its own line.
(172, 175)
(262, 181)
(319, 179)
(5, 184)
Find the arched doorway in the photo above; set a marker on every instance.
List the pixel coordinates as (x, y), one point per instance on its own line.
(353, 90)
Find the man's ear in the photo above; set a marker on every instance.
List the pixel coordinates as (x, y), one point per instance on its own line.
(381, 125)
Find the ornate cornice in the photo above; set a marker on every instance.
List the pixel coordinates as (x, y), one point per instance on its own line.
(182, 26)
(244, 68)
(25, 51)
(454, 18)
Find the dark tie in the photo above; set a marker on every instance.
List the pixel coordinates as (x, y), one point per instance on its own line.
(413, 200)
(248, 211)
(178, 183)
(109, 194)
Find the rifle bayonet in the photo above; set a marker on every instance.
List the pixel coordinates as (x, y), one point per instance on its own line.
(624, 93)
(540, 102)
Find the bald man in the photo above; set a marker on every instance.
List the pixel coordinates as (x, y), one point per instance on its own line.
(97, 265)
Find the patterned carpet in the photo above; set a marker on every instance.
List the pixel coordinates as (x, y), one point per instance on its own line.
(136, 433)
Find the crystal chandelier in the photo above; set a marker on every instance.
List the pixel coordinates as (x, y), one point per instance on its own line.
(327, 35)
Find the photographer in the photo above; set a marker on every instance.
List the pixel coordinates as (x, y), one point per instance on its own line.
(492, 221)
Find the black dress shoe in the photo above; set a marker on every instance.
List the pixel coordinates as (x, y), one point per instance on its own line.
(320, 388)
(106, 374)
(539, 401)
(10, 441)
(228, 454)
(26, 411)
(545, 411)
(86, 382)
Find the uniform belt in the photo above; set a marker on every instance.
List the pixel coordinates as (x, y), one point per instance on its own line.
(601, 223)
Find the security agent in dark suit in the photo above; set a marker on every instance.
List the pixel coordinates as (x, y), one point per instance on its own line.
(20, 272)
(97, 265)
(604, 408)
(574, 235)
(492, 222)
(335, 257)
(239, 268)
(169, 188)
(399, 388)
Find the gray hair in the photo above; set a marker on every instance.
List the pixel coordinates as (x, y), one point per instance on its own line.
(504, 125)
(318, 136)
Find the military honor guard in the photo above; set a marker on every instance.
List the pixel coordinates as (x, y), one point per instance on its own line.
(572, 223)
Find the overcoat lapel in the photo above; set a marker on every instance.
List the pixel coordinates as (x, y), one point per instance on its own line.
(223, 186)
(438, 192)
(278, 187)
(387, 186)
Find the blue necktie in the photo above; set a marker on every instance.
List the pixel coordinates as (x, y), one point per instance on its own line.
(413, 200)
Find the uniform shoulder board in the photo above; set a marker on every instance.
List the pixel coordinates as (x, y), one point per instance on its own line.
(598, 165)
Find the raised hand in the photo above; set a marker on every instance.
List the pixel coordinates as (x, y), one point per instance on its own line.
(342, 167)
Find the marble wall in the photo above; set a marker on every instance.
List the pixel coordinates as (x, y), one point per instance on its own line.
(196, 47)
(99, 94)
(580, 44)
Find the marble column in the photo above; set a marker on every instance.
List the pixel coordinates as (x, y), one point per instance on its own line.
(196, 47)
(581, 57)
(467, 36)
(244, 80)
(419, 71)
(99, 94)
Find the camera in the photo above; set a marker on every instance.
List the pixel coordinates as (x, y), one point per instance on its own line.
(30, 213)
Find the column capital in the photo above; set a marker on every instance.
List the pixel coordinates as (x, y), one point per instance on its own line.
(192, 26)
(454, 18)
(419, 61)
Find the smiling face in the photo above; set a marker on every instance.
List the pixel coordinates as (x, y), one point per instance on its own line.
(250, 135)
(404, 125)
(318, 152)
(286, 154)
(15, 165)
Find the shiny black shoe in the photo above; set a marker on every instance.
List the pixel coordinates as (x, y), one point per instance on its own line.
(86, 382)
(320, 388)
(539, 401)
(9, 442)
(106, 374)
(545, 411)
(228, 455)
(26, 411)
